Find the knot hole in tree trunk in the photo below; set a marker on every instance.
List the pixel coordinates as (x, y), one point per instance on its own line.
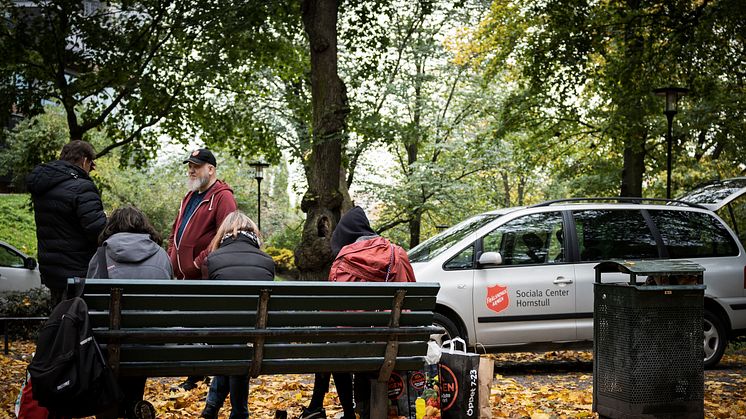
(324, 227)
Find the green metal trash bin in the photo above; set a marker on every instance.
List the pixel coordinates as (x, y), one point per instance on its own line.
(647, 341)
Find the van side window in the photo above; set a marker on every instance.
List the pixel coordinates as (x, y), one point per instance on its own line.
(735, 214)
(613, 234)
(689, 234)
(463, 260)
(530, 240)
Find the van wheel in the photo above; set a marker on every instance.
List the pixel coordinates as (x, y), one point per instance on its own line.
(715, 339)
(452, 330)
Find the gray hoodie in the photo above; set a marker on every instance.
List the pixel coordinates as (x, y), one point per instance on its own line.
(132, 256)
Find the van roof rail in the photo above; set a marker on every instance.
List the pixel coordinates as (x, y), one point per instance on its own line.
(630, 200)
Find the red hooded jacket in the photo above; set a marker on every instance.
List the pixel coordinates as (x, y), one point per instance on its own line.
(372, 260)
(199, 231)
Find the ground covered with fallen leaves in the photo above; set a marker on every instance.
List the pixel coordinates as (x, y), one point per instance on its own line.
(550, 385)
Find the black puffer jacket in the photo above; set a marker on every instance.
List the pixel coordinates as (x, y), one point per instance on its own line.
(240, 258)
(69, 217)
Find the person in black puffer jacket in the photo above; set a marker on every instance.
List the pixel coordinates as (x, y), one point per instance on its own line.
(235, 254)
(69, 215)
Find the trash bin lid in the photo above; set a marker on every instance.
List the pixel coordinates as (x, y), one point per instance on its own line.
(651, 267)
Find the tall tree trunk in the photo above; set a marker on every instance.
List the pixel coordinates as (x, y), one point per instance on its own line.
(506, 188)
(326, 197)
(633, 168)
(631, 105)
(413, 147)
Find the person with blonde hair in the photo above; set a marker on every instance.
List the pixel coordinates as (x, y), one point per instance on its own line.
(235, 254)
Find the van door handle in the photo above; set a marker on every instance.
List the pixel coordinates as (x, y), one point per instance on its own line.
(562, 280)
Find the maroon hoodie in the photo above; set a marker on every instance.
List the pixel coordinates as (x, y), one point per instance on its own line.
(199, 231)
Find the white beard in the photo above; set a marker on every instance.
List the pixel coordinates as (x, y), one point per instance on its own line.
(195, 184)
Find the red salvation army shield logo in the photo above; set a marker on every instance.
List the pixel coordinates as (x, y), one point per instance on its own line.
(497, 298)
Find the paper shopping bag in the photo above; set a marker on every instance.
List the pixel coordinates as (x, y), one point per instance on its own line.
(486, 373)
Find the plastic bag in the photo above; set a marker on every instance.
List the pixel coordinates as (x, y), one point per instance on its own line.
(433, 353)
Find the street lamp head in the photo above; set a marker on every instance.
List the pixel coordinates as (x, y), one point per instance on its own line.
(672, 95)
(258, 169)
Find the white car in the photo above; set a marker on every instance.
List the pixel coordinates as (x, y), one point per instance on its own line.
(18, 272)
(520, 279)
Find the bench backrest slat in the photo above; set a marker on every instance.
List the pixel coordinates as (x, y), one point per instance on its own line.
(248, 302)
(248, 287)
(175, 353)
(138, 319)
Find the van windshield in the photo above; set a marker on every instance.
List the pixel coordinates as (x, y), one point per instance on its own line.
(439, 243)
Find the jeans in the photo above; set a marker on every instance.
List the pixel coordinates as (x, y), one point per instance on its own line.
(238, 387)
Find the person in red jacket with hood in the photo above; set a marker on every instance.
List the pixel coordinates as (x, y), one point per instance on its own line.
(361, 255)
(204, 207)
(202, 210)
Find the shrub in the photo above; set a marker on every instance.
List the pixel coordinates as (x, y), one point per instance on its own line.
(33, 303)
(284, 261)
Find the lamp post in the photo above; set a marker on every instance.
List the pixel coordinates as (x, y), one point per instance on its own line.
(259, 175)
(672, 95)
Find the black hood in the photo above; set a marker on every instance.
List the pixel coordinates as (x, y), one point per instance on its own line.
(46, 176)
(353, 225)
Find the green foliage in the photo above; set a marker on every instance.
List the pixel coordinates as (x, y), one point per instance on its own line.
(32, 303)
(284, 261)
(33, 141)
(146, 68)
(426, 110)
(580, 77)
(289, 235)
(17, 225)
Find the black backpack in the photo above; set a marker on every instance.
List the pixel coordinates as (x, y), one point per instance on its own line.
(69, 372)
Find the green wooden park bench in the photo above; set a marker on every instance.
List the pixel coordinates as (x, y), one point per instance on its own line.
(176, 328)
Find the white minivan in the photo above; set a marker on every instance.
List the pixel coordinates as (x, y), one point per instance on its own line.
(520, 279)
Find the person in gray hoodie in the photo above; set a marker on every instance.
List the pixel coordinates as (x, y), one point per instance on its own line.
(130, 248)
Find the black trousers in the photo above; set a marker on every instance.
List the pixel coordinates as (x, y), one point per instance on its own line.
(343, 382)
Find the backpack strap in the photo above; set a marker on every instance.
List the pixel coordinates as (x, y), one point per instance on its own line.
(101, 253)
(391, 262)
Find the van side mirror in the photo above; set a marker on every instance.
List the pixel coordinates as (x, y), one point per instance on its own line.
(490, 258)
(30, 263)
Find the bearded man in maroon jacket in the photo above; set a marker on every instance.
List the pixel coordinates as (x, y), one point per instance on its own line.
(202, 210)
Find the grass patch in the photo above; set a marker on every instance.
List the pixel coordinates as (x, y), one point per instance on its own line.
(17, 226)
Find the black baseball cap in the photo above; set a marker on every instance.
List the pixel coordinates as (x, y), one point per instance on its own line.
(201, 156)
